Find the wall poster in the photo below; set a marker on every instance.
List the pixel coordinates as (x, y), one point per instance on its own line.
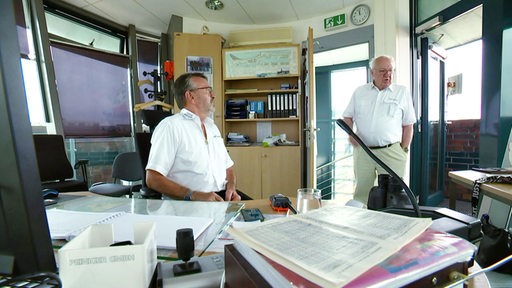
(262, 62)
(201, 64)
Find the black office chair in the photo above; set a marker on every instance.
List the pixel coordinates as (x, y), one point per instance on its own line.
(55, 170)
(126, 167)
(151, 118)
(143, 143)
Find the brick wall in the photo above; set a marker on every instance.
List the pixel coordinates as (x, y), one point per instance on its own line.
(462, 149)
(101, 154)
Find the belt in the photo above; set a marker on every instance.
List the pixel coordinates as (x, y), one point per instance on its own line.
(380, 147)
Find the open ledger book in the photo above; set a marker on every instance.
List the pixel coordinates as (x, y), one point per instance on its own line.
(332, 245)
(67, 224)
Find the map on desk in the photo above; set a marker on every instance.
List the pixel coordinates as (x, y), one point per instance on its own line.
(493, 170)
(67, 224)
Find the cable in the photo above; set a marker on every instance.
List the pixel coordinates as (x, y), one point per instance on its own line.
(484, 270)
(290, 206)
(407, 190)
(47, 278)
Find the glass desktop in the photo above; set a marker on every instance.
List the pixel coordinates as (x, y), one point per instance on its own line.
(222, 213)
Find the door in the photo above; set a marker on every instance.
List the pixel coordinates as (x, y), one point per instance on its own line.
(309, 116)
(336, 84)
(432, 125)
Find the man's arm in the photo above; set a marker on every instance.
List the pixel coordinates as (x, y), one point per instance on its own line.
(350, 123)
(162, 184)
(407, 133)
(231, 194)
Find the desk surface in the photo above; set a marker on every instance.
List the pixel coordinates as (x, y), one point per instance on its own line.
(222, 213)
(148, 206)
(480, 281)
(499, 191)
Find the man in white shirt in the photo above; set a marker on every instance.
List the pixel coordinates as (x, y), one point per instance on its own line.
(383, 116)
(188, 159)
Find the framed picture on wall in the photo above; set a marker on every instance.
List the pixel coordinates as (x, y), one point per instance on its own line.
(261, 62)
(201, 64)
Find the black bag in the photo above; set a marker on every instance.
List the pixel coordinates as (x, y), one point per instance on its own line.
(495, 245)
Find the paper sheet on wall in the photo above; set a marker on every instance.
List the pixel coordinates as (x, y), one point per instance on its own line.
(507, 158)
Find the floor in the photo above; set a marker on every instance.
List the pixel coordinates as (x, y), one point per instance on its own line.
(496, 280)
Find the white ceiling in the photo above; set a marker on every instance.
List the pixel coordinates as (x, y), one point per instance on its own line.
(153, 15)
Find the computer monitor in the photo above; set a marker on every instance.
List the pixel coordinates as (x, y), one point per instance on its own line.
(25, 244)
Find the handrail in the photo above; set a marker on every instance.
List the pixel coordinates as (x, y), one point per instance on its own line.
(334, 162)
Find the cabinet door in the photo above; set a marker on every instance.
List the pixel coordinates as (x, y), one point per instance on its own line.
(201, 45)
(280, 171)
(247, 169)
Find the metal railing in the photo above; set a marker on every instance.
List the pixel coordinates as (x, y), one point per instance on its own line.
(336, 177)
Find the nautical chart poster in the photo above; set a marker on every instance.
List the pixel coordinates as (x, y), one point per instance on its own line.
(263, 62)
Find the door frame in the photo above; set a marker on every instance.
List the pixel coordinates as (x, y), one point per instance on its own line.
(325, 43)
(420, 181)
(326, 134)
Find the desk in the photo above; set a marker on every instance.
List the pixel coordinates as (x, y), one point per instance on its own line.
(222, 213)
(466, 178)
(480, 281)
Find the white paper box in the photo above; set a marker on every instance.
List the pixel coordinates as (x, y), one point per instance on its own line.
(88, 261)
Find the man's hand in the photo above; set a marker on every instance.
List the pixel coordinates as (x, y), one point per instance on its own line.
(353, 141)
(210, 196)
(231, 195)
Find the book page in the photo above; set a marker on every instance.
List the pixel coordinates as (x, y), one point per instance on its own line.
(67, 224)
(332, 245)
(166, 227)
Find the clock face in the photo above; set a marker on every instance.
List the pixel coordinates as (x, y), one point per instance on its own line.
(360, 14)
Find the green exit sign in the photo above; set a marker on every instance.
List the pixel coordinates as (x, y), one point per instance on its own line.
(334, 21)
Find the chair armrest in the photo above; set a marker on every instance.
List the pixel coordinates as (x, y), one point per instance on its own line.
(97, 183)
(82, 164)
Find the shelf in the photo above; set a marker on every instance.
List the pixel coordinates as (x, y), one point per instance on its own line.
(263, 77)
(262, 119)
(259, 91)
(259, 144)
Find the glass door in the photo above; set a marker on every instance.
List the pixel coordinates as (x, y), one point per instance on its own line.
(432, 125)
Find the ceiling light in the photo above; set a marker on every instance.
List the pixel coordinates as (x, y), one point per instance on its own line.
(214, 4)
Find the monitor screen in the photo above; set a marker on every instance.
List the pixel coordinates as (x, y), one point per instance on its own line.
(25, 244)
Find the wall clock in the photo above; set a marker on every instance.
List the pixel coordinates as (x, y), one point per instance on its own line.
(360, 14)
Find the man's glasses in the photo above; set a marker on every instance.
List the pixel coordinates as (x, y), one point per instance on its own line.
(385, 71)
(208, 88)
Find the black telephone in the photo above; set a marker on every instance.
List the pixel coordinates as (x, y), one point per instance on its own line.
(253, 214)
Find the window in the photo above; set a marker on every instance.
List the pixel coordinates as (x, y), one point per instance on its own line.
(464, 63)
(93, 104)
(147, 52)
(64, 26)
(31, 79)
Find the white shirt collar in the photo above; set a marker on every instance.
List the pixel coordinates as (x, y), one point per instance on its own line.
(390, 87)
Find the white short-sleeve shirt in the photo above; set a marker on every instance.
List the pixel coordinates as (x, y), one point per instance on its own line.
(379, 115)
(180, 152)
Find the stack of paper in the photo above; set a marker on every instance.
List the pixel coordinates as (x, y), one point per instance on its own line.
(67, 224)
(333, 245)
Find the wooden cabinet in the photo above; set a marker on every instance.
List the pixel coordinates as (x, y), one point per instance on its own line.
(263, 171)
(265, 77)
(187, 48)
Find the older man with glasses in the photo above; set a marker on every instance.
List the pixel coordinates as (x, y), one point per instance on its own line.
(188, 159)
(382, 115)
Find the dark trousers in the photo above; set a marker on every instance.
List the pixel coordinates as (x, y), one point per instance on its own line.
(243, 196)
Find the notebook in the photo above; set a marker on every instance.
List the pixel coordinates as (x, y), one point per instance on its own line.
(67, 224)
